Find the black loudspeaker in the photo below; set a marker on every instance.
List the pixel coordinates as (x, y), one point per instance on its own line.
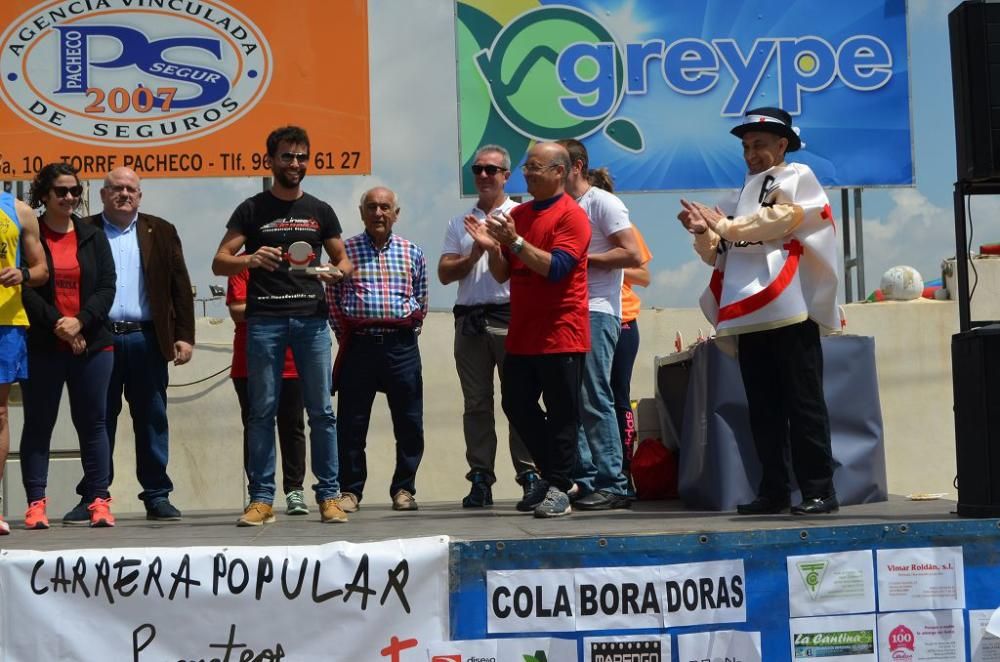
(974, 27)
(975, 360)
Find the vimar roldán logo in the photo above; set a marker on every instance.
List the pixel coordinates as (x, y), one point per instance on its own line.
(133, 73)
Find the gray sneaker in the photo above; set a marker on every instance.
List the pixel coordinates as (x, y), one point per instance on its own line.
(555, 504)
(295, 502)
(533, 496)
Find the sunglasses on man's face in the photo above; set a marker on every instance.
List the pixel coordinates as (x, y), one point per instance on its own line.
(62, 191)
(285, 158)
(490, 170)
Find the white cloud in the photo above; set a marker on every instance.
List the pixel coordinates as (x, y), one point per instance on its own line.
(678, 287)
(917, 233)
(930, 9)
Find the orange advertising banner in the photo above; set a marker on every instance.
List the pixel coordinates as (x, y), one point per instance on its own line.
(181, 88)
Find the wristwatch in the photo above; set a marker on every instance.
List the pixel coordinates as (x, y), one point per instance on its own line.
(517, 245)
(25, 275)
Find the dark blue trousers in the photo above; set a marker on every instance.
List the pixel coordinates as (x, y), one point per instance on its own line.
(389, 364)
(626, 350)
(86, 378)
(140, 373)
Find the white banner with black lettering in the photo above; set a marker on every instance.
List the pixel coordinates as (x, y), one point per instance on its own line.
(372, 601)
(585, 599)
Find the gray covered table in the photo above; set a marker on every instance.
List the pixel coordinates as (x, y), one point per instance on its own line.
(704, 415)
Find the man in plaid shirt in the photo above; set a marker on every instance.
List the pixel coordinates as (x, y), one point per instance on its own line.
(376, 315)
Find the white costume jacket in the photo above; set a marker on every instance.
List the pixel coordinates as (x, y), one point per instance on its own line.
(774, 266)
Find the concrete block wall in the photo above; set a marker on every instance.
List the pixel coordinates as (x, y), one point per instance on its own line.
(914, 366)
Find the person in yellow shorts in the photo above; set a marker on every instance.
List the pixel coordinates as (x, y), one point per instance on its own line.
(22, 262)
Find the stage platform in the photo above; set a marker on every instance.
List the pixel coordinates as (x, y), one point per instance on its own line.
(377, 521)
(495, 584)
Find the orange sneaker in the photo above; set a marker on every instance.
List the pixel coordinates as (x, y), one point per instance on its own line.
(100, 513)
(35, 517)
(4, 527)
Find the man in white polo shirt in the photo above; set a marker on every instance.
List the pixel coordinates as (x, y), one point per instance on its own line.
(601, 483)
(482, 313)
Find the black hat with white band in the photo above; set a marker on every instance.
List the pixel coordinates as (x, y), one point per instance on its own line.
(770, 120)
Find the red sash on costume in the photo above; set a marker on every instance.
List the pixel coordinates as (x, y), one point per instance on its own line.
(773, 290)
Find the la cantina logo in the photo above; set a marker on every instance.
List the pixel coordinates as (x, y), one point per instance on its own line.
(133, 73)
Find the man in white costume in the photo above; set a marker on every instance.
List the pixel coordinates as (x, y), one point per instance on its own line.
(774, 286)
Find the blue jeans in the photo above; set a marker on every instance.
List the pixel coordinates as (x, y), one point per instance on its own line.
(86, 378)
(140, 372)
(599, 461)
(309, 339)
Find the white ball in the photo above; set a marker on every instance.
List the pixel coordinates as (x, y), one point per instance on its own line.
(902, 283)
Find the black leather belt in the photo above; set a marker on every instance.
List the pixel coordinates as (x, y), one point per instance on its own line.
(384, 337)
(120, 328)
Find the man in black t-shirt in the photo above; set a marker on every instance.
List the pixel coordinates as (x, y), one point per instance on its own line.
(286, 309)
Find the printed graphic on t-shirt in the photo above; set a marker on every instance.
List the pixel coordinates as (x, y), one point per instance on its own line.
(291, 224)
(267, 221)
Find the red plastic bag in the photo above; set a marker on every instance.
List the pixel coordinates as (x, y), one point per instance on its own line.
(654, 471)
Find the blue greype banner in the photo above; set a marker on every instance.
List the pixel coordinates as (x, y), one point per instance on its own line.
(652, 87)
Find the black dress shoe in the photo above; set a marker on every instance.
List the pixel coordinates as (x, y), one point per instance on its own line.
(163, 511)
(602, 500)
(817, 506)
(763, 505)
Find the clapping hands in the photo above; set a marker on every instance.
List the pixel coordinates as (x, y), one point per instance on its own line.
(697, 217)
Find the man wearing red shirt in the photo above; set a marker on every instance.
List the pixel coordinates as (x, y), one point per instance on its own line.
(541, 246)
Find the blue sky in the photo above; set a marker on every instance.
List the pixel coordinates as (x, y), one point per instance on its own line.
(415, 151)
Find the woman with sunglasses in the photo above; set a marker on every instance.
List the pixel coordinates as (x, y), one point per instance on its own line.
(68, 344)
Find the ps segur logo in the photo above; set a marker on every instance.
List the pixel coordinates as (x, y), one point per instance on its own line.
(133, 73)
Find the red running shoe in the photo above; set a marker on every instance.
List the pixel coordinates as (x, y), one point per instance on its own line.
(100, 513)
(35, 517)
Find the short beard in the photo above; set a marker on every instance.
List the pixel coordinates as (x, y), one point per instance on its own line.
(282, 178)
